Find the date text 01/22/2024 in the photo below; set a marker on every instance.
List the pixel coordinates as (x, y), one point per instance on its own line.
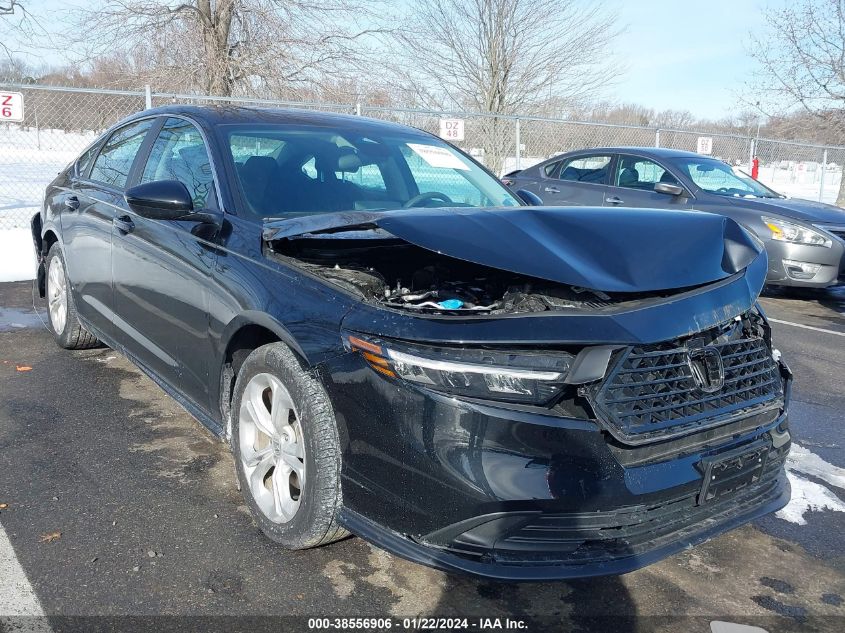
(416, 624)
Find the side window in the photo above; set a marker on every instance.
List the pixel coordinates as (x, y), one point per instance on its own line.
(549, 169)
(117, 155)
(179, 153)
(586, 169)
(83, 164)
(634, 172)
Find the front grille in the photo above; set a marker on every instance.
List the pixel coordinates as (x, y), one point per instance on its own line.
(650, 392)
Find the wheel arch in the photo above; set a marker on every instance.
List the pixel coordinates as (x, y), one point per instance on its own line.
(43, 239)
(49, 238)
(245, 333)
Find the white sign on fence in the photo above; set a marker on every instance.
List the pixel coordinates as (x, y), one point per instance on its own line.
(11, 106)
(452, 129)
(705, 145)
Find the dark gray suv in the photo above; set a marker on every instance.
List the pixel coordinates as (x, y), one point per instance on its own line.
(805, 240)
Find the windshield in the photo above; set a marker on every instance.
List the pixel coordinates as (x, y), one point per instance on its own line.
(717, 177)
(285, 171)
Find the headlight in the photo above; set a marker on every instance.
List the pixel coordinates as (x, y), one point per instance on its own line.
(520, 377)
(784, 231)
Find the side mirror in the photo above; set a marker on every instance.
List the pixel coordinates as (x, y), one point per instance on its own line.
(529, 197)
(669, 189)
(161, 200)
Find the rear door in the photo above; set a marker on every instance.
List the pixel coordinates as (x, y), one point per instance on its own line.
(577, 181)
(95, 198)
(632, 185)
(162, 269)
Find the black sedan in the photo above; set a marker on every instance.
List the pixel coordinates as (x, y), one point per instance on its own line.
(395, 346)
(805, 240)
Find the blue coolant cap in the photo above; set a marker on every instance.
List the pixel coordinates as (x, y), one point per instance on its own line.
(451, 304)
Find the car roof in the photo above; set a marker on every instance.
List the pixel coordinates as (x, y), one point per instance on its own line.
(656, 152)
(230, 114)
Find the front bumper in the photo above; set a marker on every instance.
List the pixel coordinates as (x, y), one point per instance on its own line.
(830, 262)
(517, 494)
(546, 566)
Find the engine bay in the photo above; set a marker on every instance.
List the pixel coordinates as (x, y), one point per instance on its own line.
(403, 276)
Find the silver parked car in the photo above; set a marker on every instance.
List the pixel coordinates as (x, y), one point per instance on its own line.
(805, 240)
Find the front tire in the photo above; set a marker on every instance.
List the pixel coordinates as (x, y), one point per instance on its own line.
(286, 448)
(61, 308)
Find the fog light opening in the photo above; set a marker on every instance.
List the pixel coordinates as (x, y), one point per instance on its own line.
(800, 270)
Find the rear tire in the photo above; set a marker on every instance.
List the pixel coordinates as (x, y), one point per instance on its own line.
(286, 448)
(63, 318)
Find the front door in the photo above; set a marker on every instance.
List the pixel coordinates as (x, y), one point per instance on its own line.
(91, 204)
(162, 269)
(632, 185)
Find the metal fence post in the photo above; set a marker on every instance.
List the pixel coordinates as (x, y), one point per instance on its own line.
(751, 149)
(657, 138)
(518, 143)
(358, 108)
(148, 97)
(37, 128)
(821, 177)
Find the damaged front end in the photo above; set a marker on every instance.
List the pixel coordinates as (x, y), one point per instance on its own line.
(548, 393)
(395, 274)
(511, 261)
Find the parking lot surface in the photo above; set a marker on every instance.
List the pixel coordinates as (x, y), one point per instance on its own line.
(115, 502)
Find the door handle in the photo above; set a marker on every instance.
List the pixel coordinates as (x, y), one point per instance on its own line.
(124, 224)
(72, 203)
(614, 200)
(551, 190)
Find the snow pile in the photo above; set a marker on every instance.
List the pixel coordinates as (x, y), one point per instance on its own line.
(17, 255)
(807, 495)
(29, 160)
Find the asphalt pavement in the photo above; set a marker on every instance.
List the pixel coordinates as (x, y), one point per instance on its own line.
(117, 503)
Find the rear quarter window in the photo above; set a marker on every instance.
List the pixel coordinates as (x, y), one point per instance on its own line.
(118, 154)
(83, 163)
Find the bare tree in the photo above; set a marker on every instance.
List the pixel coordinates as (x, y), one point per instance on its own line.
(802, 63)
(227, 47)
(17, 20)
(506, 56)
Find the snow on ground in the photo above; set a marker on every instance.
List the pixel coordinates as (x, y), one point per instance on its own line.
(801, 180)
(807, 495)
(29, 160)
(17, 255)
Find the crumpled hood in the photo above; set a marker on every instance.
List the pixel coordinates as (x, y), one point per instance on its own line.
(805, 210)
(611, 250)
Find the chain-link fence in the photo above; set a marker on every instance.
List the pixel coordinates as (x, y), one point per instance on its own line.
(60, 122)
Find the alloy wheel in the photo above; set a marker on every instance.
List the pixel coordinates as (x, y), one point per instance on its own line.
(272, 448)
(57, 295)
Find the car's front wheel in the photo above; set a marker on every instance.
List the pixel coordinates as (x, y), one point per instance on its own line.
(61, 308)
(286, 447)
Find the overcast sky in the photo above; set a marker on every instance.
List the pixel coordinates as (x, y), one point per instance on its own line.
(679, 55)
